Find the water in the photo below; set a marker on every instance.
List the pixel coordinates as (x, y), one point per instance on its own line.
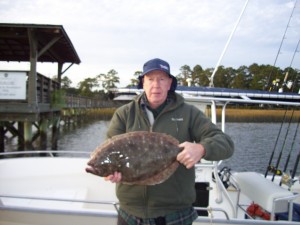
(254, 143)
(85, 137)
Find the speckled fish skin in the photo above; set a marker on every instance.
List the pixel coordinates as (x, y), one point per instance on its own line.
(142, 157)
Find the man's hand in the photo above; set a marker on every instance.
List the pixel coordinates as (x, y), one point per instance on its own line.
(191, 154)
(114, 178)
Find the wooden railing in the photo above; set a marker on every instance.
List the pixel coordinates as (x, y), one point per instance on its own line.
(48, 92)
(45, 88)
(50, 97)
(72, 101)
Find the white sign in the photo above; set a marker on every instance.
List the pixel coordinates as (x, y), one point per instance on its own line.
(13, 85)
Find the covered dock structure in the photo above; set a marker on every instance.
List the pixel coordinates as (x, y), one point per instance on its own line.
(28, 99)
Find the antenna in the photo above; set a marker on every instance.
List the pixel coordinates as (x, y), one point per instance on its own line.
(211, 84)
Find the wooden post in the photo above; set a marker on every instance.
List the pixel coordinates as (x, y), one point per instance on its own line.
(59, 73)
(21, 141)
(2, 137)
(43, 133)
(55, 131)
(28, 135)
(32, 83)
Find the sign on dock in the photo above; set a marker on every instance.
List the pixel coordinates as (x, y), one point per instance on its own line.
(13, 85)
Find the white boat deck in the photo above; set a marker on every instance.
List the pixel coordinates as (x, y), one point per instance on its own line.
(47, 189)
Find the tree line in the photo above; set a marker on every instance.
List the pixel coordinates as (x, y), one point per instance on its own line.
(253, 77)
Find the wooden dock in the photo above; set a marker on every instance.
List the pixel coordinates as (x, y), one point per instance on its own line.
(28, 99)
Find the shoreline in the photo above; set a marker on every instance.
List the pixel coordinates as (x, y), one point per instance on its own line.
(258, 115)
(232, 115)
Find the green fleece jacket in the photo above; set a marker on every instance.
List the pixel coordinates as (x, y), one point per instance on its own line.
(184, 122)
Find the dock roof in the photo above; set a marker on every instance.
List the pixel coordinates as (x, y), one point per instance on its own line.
(53, 43)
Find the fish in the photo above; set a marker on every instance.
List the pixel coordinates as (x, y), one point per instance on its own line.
(142, 157)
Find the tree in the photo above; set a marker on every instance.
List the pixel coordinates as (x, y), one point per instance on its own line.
(134, 81)
(199, 77)
(109, 80)
(253, 77)
(224, 77)
(65, 82)
(185, 75)
(261, 74)
(87, 85)
(240, 81)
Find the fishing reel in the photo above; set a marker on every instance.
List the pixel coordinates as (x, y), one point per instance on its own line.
(287, 180)
(224, 175)
(274, 170)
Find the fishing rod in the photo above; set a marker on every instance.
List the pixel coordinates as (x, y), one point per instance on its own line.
(269, 167)
(290, 152)
(296, 131)
(287, 73)
(296, 165)
(292, 147)
(284, 141)
(280, 46)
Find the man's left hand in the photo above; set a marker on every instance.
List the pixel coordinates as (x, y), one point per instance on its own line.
(191, 154)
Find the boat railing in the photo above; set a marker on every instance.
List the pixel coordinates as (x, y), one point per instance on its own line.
(210, 211)
(220, 189)
(290, 200)
(214, 101)
(60, 153)
(219, 185)
(113, 203)
(49, 153)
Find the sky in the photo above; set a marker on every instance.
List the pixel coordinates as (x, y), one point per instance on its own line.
(123, 35)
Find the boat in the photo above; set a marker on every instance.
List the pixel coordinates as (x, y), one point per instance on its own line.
(55, 189)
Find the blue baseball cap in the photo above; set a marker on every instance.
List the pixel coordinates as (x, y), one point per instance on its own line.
(157, 64)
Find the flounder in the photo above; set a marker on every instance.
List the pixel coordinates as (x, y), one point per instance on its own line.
(142, 157)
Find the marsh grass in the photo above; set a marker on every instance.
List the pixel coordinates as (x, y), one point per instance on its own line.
(232, 114)
(101, 113)
(257, 115)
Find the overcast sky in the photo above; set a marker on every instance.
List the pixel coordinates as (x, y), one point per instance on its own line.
(123, 34)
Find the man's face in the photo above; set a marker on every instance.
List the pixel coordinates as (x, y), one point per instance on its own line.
(156, 85)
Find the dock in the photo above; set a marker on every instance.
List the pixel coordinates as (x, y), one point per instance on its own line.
(27, 98)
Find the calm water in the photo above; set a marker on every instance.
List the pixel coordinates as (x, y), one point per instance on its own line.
(254, 143)
(85, 137)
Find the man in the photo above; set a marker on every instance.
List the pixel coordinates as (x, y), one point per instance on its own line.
(160, 109)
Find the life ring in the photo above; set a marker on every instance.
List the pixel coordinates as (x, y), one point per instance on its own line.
(256, 212)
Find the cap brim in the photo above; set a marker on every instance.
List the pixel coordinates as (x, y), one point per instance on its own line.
(148, 71)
